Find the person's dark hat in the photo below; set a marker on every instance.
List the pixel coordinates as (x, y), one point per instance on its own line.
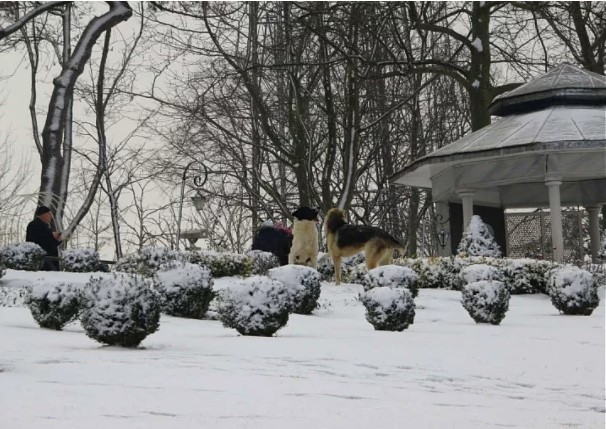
(41, 210)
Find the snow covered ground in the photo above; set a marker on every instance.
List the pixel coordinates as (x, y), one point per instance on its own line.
(330, 370)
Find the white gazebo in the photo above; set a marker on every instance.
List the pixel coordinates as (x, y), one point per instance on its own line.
(547, 150)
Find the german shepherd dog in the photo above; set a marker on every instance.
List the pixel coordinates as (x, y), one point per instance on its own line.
(304, 249)
(344, 239)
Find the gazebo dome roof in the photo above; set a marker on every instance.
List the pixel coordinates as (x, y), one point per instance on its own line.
(564, 85)
(555, 125)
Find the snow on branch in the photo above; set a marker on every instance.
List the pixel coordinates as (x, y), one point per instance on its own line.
(7, 31)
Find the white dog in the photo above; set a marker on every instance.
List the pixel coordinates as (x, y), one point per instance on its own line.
(304, 249)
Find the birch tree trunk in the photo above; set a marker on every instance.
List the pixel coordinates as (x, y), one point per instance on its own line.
(55, 161)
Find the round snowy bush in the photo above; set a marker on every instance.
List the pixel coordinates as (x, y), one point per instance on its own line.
(573, 291)
(23, 256)
(255, 306)
(392, 276)
(80, 260)
(486, 301)
(2, 269)
(478, 272)
(223, 264)
(477, 240)
(185, 289)
(389, 309)
(262, 261)
(120, 310)
(54, 307)
(303, 283)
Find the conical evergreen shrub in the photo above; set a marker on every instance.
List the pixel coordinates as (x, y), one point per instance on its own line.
(478, 241)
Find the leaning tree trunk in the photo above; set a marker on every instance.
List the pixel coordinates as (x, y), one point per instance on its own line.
(54, 177)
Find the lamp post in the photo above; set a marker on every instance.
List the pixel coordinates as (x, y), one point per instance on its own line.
(199, 181)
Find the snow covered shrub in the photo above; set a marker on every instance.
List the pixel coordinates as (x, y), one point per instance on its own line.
(223, 264)
(325, 267)
(55, 306)
(350, 268)
(356, 274)
(392, 276)
(147, 261)
(477, 240)
(23, 256)
(255, 306)
(478, 272)
(120, 310)
(185, 289)
(262, 261)
(303, 283)
(437, 272)
(523, 276)
(389, 309)
(13, 296)
(2, 269)
(573, 290)
(80, 260)
(486, 301)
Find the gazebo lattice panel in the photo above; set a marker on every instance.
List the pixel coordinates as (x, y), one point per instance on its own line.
(529, 235)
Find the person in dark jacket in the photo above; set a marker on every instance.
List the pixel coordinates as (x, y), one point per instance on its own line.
(275, 239)
(39, 232)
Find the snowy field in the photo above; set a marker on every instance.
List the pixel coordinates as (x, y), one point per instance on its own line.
(330, 370)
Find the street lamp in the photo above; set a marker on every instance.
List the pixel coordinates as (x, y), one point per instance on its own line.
(442, 234)
(199, 201)
(199, 181)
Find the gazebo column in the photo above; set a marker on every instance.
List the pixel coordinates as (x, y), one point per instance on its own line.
(594, 231)
(555, 207)
(466, 196)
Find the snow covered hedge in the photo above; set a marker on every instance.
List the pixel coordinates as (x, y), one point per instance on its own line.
(573, 290)
(119, 310)
(478, 272)
(486, 301)
(524, 276)
(519, 275)
(437, 272)
(392, 276)
(478, 241)
(80, 260)
(255, 306)
(185, 289)
(2, 269)
(302, 282)
(55, 306)
(262, 261)
(223, 264)
(389, 309)
(352, 268)
(23, 256)
(147, 261)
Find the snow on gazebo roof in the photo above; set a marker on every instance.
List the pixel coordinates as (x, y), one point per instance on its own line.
(546, 135)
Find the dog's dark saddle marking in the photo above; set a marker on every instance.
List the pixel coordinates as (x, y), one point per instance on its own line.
(349, 235)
